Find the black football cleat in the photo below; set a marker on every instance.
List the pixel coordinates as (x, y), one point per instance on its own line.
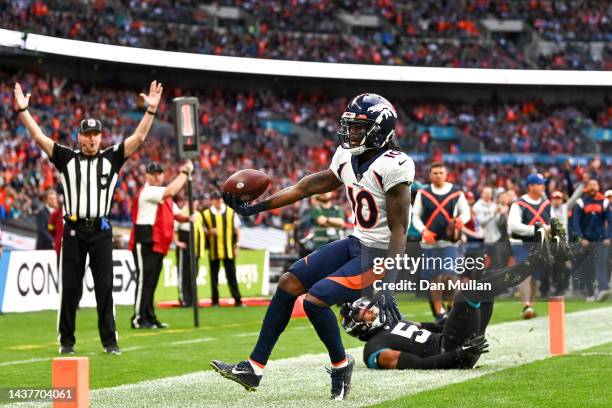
(341, 380)
(242, 373)
(539, 253)
(559, 244)
(66, 350)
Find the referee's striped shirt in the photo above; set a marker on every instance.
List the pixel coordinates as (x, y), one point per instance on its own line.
(88, 181)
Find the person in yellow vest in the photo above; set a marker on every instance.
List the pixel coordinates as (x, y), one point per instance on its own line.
(222, 233)
(183, 264)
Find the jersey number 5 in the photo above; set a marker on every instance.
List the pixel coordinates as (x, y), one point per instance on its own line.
(408, 331)
(357, 204)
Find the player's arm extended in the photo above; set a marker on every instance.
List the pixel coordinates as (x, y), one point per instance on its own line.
(317, 183)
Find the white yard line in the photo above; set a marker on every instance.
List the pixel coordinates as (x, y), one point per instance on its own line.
(200, 340)
(28, 361)
(301, 381)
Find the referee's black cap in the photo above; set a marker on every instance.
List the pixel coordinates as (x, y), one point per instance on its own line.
(90, 126)
(154, 167)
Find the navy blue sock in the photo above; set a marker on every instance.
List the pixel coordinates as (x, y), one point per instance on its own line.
(325, 323)
(274, 323)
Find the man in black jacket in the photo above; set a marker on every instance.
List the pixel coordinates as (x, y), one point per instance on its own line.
(44, 240)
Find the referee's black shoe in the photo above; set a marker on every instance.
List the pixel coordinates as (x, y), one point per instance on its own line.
(142, 324)
(67, 350)
(113, 349)
(160, 325)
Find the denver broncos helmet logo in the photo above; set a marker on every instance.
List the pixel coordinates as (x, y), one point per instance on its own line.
(386, 111)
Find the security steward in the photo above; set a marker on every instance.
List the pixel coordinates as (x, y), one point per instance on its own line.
(439, 209)
(183, 261)
(88, 178)
(529, 209)
(221, 229)
(153, 218)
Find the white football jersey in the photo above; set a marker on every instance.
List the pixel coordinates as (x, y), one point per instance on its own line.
(366, 191)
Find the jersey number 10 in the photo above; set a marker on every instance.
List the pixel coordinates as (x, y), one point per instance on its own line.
(370, 219)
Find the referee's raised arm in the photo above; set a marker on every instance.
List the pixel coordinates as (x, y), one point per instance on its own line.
(140, 134)
(21, 105)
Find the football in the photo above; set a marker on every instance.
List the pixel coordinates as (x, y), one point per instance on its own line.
(247, 184)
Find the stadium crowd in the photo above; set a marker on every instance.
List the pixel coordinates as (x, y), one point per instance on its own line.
(427, 33)
(238, 136)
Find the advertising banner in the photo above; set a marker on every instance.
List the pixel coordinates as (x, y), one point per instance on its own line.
(29, 280)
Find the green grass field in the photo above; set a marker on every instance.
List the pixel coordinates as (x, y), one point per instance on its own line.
(28, 342)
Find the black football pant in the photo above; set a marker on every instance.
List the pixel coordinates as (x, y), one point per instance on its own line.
(183, 268)
(472, 310)
(230, 274)
(78, 242)
(149, 264)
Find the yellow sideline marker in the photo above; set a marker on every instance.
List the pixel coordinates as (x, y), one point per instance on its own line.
(71, 373)
(556, 320)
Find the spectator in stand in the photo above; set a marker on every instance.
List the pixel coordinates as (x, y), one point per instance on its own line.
(426, 33)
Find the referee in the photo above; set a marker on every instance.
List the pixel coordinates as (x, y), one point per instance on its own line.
(88, 179)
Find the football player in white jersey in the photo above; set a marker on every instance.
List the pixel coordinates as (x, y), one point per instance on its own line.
(377, 177)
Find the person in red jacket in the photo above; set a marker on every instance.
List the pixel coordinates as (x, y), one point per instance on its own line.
(55, 227)
(153, 216)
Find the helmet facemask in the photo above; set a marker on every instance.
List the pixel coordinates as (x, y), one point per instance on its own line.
(352, 318)
(358, 135)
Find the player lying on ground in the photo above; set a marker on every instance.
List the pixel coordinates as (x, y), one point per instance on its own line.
(460, 342)
(377, 178)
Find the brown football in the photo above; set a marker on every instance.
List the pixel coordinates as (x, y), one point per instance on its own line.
(247, 184)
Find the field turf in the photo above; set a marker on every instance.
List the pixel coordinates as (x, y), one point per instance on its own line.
(27, 344)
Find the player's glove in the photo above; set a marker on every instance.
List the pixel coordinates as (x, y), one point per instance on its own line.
(473, 347)
(237, 204)
(242, 208)
(388, 312)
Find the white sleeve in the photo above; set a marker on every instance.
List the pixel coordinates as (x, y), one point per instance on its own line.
(417, 211)
(463, 209)
(401, 170)
(483, 215)
(152, 194)
(237, 222)
(515, 223)
(176, 209)
(335, 163)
